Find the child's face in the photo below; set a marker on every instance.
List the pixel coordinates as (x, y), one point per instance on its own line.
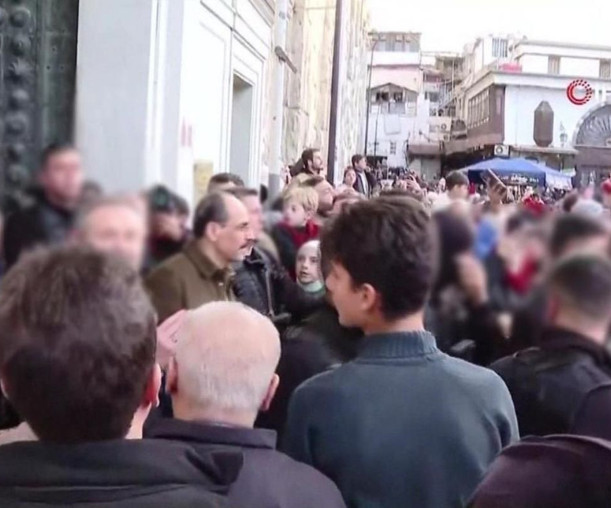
(295, 214)
(308, 266)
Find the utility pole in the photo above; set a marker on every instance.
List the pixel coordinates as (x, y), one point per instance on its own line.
(373, 47)
(335, 77)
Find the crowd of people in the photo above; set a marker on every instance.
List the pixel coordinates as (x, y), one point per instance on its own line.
(351, 346)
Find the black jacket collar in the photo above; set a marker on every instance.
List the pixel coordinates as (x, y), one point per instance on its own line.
(115, 464)
(214, 434)
(560, 338)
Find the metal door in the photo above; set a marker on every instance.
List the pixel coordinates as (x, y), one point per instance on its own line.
(37, 82)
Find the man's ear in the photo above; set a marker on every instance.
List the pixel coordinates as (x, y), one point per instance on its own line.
(153, 385)
(271, 392)
(212, 231)
(370, 299)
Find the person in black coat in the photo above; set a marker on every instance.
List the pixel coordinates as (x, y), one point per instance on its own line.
(459, 313)
(221, 376)
(563, 386)
(261, 282)
(314, 345)
(50, 219)
(77, 357)
(365, 182)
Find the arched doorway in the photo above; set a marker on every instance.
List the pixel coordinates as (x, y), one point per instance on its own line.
(593, 141)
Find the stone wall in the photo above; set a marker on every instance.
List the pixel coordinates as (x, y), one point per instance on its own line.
(353, 83)
(307, 99)
(308, 91)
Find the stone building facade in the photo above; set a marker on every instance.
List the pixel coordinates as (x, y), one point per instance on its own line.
(308, 91)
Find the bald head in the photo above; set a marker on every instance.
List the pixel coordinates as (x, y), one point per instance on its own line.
(225, 361)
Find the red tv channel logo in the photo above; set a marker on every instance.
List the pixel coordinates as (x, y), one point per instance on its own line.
(579, 92)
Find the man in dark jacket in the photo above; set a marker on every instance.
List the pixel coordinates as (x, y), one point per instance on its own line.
(563, 386)
(403, 424)
(49, 220)
(260, 281)
(549, 472)
(221, 376)
(77, 361)
(365, 181)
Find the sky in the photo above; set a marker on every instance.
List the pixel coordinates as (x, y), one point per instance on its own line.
(446, 25)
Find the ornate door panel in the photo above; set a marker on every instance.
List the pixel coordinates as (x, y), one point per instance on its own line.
(37, 79)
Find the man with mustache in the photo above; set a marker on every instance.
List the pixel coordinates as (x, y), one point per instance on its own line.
(202, 272)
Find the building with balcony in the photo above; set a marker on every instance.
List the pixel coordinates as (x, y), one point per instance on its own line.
(405, 125)
(518, 105)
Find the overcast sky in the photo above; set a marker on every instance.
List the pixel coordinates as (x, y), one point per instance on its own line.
(449, 24)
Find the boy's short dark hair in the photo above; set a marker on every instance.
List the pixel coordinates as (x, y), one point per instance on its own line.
(77, 344)
(571, 227)
(456, 179)
(356, 159)
(387, 243)
(583, 283)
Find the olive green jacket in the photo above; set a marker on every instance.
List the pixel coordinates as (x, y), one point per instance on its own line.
(187, 281)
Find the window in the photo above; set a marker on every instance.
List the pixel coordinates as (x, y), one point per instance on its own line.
(397, 96)
(553, 65)
(499, 48)
(382, 97)
(393, 148)
(399, 43)
(605, 69)
(431, 96)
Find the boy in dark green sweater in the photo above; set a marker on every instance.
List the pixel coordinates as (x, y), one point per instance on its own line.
(403, 425)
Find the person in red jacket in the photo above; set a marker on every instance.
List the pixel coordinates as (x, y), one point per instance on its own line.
(297, 226)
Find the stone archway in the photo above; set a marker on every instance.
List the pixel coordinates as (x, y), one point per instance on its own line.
(592, 140)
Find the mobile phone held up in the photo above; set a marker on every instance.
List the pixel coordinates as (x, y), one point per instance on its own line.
(494, 183)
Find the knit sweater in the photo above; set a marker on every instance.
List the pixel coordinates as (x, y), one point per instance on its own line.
(404, 425)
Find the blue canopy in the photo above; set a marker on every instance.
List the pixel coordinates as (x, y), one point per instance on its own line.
(522, 170)
(556, 179)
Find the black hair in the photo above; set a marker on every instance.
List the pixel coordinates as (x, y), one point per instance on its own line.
(387, 243)
(223, 179)
(583, 282)
(210, 209)
(571, 227)
(356, 159)
(456, 179)
(54, 149)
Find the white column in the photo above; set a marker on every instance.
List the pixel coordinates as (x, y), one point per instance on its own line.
(124, 123)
